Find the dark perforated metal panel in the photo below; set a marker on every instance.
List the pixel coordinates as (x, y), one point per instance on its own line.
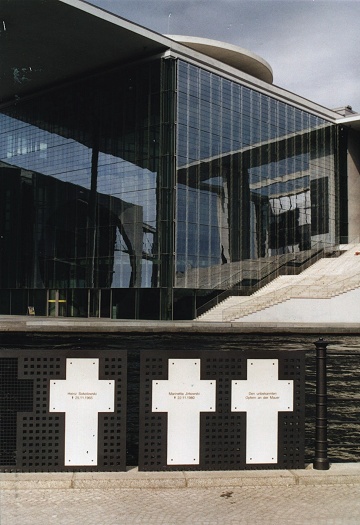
(222, 427)
(40, 436)
(292, 424)
(222, 433)
(32, 438)
(16, 395)
(112, 438)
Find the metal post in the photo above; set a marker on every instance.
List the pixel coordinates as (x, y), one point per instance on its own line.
(321, 461)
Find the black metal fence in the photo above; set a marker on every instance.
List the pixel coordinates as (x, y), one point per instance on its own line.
(16, 393)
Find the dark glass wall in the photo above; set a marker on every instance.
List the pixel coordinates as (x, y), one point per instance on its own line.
(79, 170)
(82, 196)
(256, 182)
(141, 192)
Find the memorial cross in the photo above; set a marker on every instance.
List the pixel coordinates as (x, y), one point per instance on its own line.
(183, 396)
(81, 396)
(262, 396)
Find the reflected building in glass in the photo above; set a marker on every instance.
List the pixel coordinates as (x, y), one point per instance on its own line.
(142, 187)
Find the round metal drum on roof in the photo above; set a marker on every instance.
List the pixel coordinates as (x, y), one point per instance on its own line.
(231, 55)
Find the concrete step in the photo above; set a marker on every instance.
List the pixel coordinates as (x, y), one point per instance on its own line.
(325, 279)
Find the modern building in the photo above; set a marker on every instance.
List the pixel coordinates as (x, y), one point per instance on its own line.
(141, 175)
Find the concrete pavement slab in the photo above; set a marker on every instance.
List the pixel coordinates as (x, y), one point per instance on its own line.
(130, 479)
(339, 474)
(243, 478)
(35, 480)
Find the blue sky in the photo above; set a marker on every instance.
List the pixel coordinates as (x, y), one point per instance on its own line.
(313, 46)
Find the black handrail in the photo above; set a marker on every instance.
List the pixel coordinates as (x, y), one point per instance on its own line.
(237, 289)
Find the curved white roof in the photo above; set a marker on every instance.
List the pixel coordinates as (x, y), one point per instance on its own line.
(233, 56)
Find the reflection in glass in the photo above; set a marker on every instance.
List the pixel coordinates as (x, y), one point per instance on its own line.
(255, 182)
(78, 177)
(118, 188)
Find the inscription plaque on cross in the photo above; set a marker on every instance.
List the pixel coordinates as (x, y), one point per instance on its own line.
(183, 396)
(262, 396)
(82, 395)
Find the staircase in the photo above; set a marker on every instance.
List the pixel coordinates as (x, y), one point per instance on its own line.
(325, 279)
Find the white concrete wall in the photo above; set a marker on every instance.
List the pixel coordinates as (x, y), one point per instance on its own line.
(344, 308)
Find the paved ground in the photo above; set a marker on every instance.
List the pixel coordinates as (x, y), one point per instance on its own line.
(177, 498)
(295, 505)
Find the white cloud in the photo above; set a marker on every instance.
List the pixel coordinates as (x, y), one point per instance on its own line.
(312, 46)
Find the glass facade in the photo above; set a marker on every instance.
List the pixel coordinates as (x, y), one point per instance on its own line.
(256, 182)
(79, 173)
(140, 191)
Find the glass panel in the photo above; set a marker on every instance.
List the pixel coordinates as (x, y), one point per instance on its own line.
(105, 303)
(94, 304)
(77, 303)
(19, 302)
(124, 304)
(4, 302)
(149, 304)
(38, 299)
(184, 304)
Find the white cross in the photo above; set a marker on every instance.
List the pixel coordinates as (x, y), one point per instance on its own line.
(183, 396)
(262, 396)
(81, 396)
